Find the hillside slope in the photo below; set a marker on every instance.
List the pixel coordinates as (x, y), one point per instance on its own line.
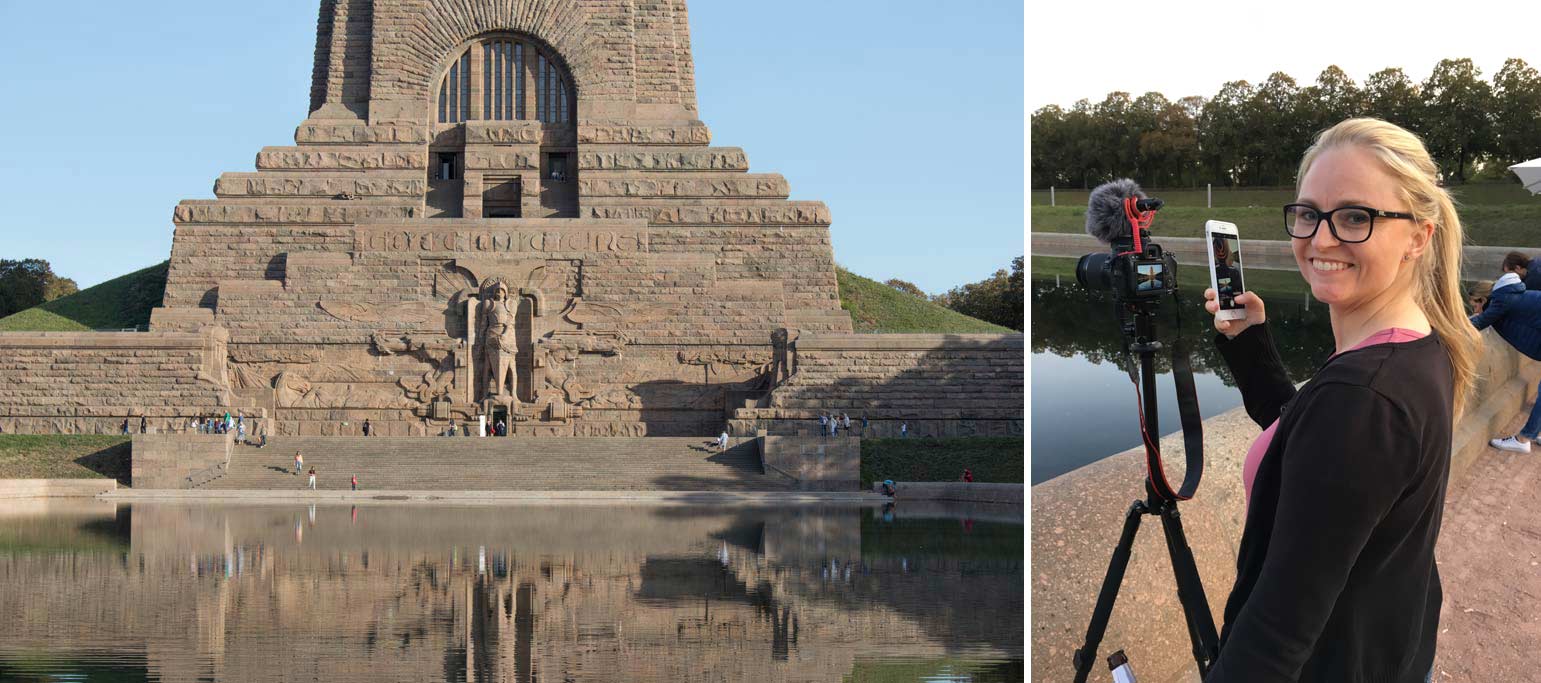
(876, 307)
(120, 303)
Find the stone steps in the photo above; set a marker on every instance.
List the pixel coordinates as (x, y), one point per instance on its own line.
(500, 464)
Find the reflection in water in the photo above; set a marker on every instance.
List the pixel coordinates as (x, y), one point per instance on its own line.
(1084, 407)
(396, 592)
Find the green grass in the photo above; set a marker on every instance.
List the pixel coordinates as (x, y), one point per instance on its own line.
(876, 307)
(119, 303)
(64, 456)
(1496, 214)
(994, 459)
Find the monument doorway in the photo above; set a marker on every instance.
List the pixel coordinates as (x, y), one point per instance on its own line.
(500, 415)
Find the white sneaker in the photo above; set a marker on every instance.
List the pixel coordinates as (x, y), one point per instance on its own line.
(1511, 444)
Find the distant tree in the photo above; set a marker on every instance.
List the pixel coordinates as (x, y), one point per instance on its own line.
(1456, 107)
(997, 299)
(1223, 134)
(1391, 96)
(1050, 161)
(1333, 98)
(1516, 113)
(29, 282)
(906, 287)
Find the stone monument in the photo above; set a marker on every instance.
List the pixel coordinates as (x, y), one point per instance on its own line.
(507, 209)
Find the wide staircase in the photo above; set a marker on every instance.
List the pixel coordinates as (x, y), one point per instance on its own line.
(500, 464)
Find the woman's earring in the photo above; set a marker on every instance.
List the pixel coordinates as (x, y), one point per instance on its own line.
(1407, 257)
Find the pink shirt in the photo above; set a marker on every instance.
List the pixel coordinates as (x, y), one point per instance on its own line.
(1254, 459)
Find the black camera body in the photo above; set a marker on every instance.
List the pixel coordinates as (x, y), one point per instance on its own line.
(1133, 277)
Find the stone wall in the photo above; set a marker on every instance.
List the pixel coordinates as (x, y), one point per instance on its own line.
(89, 382)
(178, 461)
(817, 463)
(938, 384)
(11, 489)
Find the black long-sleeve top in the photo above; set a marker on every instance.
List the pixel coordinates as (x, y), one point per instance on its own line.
(1335, 576)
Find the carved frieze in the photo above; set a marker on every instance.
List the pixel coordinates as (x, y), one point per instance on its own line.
(323, 134)
(500, 240)
(403, 313)
(339, 213)
(363, 158)
(773, 186)
(591, 134)
(787, 213)
(712, 159)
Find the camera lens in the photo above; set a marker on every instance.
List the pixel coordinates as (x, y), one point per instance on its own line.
(1092, 271)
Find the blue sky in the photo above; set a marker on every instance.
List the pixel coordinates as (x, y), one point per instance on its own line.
(907, 121)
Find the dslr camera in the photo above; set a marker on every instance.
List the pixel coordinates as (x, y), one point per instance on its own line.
(1134, 268)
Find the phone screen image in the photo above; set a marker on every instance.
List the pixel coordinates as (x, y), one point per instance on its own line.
(1226, 250)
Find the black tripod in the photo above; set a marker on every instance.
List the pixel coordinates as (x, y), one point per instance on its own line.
(1161, 501)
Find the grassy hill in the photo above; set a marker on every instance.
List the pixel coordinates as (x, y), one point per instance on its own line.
(876, 307)
(119, 303)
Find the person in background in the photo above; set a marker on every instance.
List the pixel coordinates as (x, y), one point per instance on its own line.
(144, 425)
(312, 478)
(355, 482)
(968, 476)
(367, 428)
(1515, 312)
(904, 429)
(722, 442)
(125, 426)
(240, 432)
(1518, 263)
(299, 463)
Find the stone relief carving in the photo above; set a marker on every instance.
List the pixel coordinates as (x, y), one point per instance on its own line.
(438, 352)
(732, 362)
(497, 333)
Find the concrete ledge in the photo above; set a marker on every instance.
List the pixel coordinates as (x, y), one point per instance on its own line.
(102, 340)
(55, 488)
(816, 463)
(1011, 494)
(501, 497)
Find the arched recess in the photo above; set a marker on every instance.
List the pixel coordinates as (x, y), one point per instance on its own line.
(447, 25)
(504, 76)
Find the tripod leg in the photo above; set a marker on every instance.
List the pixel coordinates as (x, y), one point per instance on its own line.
(1190, 590)
(1087, 654)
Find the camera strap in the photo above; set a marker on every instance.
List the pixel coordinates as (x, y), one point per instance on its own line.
(1188, 415)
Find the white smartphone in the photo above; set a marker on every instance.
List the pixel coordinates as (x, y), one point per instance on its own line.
(1225, 268)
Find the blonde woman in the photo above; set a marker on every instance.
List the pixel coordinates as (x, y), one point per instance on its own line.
(1335, 574)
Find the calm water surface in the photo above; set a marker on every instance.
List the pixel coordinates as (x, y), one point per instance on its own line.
(168, 592)
(1083, 404)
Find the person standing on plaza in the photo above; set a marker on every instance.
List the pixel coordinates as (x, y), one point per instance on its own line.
(904, 429)
(367, 428)
(125, 426)
(144, 425)
(355, 482)
(240, 432)
(312, 478)
(1335, 574)
(722, 442)
(823, 424)
(299, 463)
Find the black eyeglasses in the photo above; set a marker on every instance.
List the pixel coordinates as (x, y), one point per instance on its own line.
(1302, 220)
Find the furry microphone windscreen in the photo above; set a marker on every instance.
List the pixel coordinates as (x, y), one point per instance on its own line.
(1105, 219)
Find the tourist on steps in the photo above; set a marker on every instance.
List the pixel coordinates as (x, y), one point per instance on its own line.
(355, 482)
(125, 426)
(1335, 572)
(1516, 312)
(312, 478)
(144, 425)
(366, 427)
(299, 463)
(722, 442)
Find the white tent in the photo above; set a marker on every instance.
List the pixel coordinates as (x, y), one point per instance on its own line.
(1530, 174)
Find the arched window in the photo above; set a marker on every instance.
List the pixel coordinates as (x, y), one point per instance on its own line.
(504, 78)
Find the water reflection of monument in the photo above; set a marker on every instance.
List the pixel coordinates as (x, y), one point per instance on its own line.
(588, 594)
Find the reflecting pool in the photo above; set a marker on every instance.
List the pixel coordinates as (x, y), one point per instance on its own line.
(394, 592)
(1083, 404)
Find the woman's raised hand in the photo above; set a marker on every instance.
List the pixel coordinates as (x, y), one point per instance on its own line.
(1231, 328)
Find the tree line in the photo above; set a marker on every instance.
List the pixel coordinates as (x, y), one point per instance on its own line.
(1254, 135)
(28, 282)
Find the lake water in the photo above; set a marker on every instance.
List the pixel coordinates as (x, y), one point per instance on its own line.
(1083, 404)
(394, 592)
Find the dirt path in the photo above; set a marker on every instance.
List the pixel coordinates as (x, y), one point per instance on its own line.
(1489, 559)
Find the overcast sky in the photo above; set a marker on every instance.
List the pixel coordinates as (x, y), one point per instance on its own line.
(906, 120)
(1075, 51)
